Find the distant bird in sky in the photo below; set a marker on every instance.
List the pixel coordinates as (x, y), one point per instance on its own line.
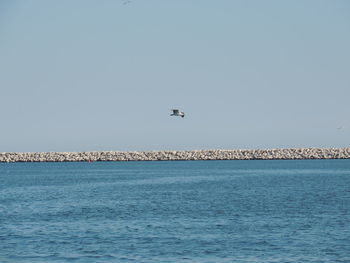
(126, 2)
(176, 112)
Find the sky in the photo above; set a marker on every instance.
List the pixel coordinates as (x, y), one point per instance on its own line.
(89, 75)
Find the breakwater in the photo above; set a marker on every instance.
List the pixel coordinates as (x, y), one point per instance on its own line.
(267, 154)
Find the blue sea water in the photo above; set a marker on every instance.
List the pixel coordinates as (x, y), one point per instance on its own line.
(183, 211)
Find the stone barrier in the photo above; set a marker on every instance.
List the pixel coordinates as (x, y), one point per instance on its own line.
(268, 154)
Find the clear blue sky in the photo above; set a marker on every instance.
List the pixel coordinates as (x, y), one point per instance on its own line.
(102, 75)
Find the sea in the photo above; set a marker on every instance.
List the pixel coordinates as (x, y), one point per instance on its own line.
(176, 211)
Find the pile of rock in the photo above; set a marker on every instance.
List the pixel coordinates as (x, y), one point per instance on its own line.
(269, 154)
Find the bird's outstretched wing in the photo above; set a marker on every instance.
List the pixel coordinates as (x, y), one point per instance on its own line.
(175, 111)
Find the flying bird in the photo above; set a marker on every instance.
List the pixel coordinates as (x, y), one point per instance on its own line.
(176, 112)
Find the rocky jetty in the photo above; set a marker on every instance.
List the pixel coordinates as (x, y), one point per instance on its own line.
(268, 154)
